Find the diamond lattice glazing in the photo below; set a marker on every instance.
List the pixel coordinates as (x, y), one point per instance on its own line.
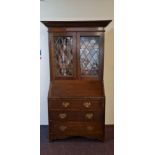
(63, 56)
(89, 55)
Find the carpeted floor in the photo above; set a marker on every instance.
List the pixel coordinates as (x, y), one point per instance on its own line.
(77, 146)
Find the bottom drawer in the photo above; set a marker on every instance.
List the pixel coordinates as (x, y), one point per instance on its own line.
(76, 128)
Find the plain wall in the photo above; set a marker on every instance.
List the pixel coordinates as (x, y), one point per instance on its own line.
(79, 10)
(44, 74)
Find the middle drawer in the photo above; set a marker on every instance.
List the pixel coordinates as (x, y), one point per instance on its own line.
(66, 115)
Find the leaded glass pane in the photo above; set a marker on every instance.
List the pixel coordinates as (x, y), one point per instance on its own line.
(63, 51)
(89, 56)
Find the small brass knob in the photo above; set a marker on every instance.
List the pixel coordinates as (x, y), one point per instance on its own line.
(63, 115)
(89, 115)
(63, 128)
(87, 104)
(65, 104)
(90, 128)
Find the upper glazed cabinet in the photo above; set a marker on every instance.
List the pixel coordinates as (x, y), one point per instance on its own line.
(76, 52)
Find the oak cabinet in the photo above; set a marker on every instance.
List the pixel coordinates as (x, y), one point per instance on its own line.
(76, 99)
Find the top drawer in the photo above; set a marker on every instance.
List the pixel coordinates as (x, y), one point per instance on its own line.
(84, 104)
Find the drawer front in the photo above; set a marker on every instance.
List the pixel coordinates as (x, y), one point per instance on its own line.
(75, 128)
(64, 115)
(76, 104)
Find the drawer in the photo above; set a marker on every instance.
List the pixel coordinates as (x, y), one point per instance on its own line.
(76, 128)
(83, 116)
(76, 104)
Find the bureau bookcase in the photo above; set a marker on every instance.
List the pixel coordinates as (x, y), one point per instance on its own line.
(76, 98)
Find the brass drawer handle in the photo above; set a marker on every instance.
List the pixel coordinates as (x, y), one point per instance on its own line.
(62, 115)
(65, 104)
(89, 115)
(62, 128)
(87, 104)
(90, 128)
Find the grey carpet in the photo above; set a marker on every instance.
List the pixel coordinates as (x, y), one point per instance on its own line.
(77, 145)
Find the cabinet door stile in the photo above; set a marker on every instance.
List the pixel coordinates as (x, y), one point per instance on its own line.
(78, 55)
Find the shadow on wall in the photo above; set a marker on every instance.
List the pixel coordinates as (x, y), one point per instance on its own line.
(109, 75)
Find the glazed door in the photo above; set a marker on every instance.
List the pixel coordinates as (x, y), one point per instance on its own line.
(90, 55)
(63, 55)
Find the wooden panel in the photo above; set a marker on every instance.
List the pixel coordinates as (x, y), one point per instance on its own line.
(99, 137)
(82, 116)
(76, 29)
(76, 89)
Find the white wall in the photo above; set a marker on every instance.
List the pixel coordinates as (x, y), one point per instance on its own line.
(76, 9)
(44, 74)
(81, 10)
